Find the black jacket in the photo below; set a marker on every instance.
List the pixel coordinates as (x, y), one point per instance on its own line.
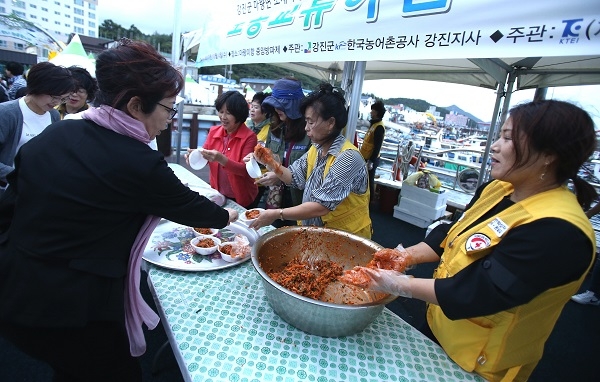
(80, 194)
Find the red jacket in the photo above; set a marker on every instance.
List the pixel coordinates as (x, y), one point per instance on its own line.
(242, 142)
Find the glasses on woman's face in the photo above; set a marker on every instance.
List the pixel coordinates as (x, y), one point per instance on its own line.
(59, 99)
(172, 110)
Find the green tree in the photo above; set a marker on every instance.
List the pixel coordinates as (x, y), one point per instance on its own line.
(111, 30)
(134, 33)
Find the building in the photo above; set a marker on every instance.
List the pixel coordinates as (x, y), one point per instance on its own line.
(59, 18)
(93, 45)
(23, 42)
(257, 84)
(454, 119)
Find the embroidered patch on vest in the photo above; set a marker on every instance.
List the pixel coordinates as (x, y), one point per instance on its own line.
(498, 226)
(477, 241)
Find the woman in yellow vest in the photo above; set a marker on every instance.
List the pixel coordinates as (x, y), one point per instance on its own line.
(332, 173)
(260, 123)
(520, 251)
(260, 120)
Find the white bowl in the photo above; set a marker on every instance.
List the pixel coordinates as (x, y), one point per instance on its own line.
(244, 219)
(213, 232)
(229, 258)
(253, 169)
(197, 161)
(205, 250)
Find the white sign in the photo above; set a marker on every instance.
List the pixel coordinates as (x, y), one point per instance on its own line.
(267, 31)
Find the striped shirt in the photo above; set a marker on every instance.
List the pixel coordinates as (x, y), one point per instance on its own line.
(348, 173)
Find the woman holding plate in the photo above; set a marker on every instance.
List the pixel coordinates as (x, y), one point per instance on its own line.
(225, 148)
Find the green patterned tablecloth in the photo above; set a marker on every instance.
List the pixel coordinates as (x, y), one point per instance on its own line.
(221, 328)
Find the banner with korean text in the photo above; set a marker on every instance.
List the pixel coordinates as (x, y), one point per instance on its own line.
(271, 31)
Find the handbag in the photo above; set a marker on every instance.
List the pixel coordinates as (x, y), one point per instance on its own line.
(274, 197)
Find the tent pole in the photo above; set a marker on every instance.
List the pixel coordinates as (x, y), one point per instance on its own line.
(179, 130)
(175, 53)
(357, 81)
(540, 94)
(506, 105)
(347, 74)
(491, 134)
(180, 107)
(346, 83)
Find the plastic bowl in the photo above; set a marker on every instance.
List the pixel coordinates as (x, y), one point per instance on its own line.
(253, 169)
(244, 217)
(205, 250)
(228, 257)
(197, 161)
(213, 231)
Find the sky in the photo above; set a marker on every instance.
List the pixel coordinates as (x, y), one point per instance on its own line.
(151, 16)
(480, 101)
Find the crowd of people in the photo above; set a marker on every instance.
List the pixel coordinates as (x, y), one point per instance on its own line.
(75, 151)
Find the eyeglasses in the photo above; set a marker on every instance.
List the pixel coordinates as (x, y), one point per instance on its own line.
(59, 99)
(172, 110)
(80, 91)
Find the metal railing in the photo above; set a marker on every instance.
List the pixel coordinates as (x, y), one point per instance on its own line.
(391, 155)
(442, 158)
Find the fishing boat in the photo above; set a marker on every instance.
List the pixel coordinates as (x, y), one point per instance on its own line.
(456, 163)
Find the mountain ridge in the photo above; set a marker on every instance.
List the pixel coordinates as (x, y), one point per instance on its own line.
(458, 110)
(422, 106)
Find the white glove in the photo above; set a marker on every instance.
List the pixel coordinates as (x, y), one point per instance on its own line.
(391, 282)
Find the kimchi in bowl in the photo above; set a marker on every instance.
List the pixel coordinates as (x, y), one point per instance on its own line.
(342, 309)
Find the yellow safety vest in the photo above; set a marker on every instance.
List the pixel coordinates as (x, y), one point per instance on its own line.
(261, 136)
(505, 346)
(366, 149)
(352, 214)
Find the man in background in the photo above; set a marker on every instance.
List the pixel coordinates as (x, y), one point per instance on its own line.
(372, 142)
(16, 81)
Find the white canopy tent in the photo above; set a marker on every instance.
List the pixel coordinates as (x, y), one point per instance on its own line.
(74, 55)
(500, 45)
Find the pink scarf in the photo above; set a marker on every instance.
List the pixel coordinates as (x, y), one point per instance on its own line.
(137, 311)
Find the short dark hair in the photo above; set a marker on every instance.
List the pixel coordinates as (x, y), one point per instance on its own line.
(83, 79)
(235, 103)
(49, 79)
(21, 92)
(328, 102)
(15, 68)
(260, 97)
(555, 128)
(135, 69)
(379, 108)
